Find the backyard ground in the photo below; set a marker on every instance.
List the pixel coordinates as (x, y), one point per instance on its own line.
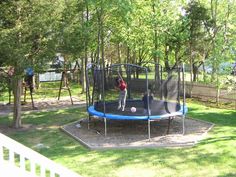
(44, 104)
(214, 156)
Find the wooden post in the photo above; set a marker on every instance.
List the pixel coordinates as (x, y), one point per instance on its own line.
(64, 78)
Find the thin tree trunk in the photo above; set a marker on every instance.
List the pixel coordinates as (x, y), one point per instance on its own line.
(217, 91)
(37, 81)
(119, 52)
(82, 75)
(17, 82)
(156, 60)
(86, 44)
(195, 71)
(128, 55)
(155, 57)
(17, 89)
(204, 73)
(134, 61)
(166, 57)
(98, 47)
(92, 56)
(214, 17)
(84, 62)
(102, 39)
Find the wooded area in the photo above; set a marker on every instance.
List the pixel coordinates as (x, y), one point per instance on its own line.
(199, 33)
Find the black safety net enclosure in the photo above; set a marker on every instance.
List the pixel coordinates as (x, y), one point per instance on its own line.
(131, 92)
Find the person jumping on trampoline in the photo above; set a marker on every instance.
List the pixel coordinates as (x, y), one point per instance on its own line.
(147, 99)
(123, 92)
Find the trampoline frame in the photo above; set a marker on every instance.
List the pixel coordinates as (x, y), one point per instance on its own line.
(108, 116)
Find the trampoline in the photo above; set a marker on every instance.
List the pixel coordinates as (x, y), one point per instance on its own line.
(166, 85)
(159, 109)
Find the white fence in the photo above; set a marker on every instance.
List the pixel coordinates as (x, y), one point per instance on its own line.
(210, 91)
(21, 161)
(198, 90)
(50, 76)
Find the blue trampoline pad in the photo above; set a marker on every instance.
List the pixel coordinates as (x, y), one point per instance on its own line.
(159, 109)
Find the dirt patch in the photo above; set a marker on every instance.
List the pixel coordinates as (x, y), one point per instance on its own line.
(44, 104)
(6, 129)
(134, 134)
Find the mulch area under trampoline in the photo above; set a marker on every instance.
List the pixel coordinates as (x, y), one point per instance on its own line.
(133, 134)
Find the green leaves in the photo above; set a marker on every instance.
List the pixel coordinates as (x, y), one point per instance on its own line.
(34, 31)
(26, 32)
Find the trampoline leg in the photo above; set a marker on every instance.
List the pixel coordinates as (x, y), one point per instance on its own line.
(88, 122)
(183, 124)
(105, 123)
(169, 121)
(149, 130)
(168, 129)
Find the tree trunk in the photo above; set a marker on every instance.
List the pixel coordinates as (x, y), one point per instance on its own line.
(214, 72)
(37, 82)
(92, 56)
(191, 45)
(217, 91)
(156, 60)
(17, 90)
(86, 47)
(119, 52)
(134, 61)
(102, 40)
(195, 71)
(213, 16)
(98, 47)
(155, 57)
(204, 73)
(166, 57)
(128, 55)
(217, 96)
(82, 75)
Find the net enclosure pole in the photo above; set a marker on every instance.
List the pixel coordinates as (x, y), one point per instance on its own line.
(103, 99)
(87, 94)
(148, 106)
(105, 126)
(179, 70)
(161, 95)
(184, 99)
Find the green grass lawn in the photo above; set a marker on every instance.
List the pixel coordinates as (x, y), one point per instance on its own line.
(48, 90)
(214, 156)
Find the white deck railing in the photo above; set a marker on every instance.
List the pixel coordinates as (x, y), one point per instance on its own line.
(19, 159)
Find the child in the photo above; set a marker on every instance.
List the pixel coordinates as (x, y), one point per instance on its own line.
(121, 85)
(147, 99)
(29, 73)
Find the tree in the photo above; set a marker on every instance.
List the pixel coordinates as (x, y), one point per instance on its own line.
(198, 17)
(26, 32)
(222, 40)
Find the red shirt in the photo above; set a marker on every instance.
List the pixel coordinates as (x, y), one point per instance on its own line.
(122, 85)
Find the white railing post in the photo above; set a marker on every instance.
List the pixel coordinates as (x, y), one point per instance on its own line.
(11, 156)
(42, 171)
(52, 173)
(1, 154)
(22, 162)
(32, 167)
(33, 157)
